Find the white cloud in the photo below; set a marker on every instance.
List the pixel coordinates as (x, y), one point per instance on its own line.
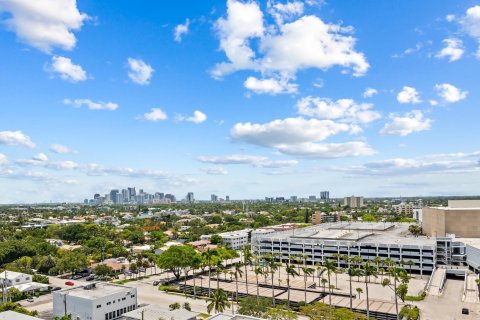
(408, 95)
(283, 49)
(3, 159)
(449, 93)
(287, 131)
(67, 70)
(155, 114)
(54, 165)
(409, 51)
(58, 148)
(450, 17)
(16, 138)
(412, 166)
(453, 49)
(328, 150)
(181, 30)
(300, 137)
(45, 24)
(270, 86)
(40, 157)
(369, 92)
(216, 171)
(345, 109)
(471, 22)
(410, 122)
(99, 105)
(197, 117)
(285, 11)
(433, 102)
(254, 161)
(139, 71)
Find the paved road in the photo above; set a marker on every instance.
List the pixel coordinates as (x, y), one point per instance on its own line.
(449, 305)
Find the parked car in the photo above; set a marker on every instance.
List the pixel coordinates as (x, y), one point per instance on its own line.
(90, 278)
(141, 269)
(77, 276)
(156, 283)
(56, 288)
(30, 300)
(69, 283)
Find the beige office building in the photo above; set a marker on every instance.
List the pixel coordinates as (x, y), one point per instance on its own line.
(461, 218)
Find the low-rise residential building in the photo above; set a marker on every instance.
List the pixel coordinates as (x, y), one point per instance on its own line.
(235, 239)
(21, 281)
(95, 301)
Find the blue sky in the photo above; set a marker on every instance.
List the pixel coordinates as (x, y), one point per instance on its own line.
(240, 98)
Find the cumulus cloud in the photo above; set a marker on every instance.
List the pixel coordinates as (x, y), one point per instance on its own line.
(471, 21)
(369, 92)
(40, 157)
(345, 109)
(403, 125)
(67, 70)
(181, 30)
(219, 171)
(285, 11)
(449, 93)
(59, 148)
(3, 159)
(283, 48)
(42, 162)
(99, 105)
(139, 71)
(45, 24)
(408, 95)
(197, 117)
(254, 161)
(16, 138)
(155, 114)
(453, 49)
(270, 86)
(300, 137)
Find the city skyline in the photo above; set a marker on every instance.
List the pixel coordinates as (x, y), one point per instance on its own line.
(240, 98)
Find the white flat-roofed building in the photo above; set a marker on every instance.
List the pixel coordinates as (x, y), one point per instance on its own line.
(235, 239)
(155, 312)
(366, 240)
(12, 278)
(95, 301)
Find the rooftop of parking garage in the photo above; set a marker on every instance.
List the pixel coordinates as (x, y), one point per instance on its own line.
(364, 232)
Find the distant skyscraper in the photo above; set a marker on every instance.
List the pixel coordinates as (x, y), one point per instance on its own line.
(214, 198)
(293, 198)
(131, 194)
(114, 196)
(190, 198)
(312, 198)
(325, 195)
(353, 202)
(227, 198)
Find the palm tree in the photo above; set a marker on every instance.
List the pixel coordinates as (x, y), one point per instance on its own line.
(258, 271)
(306, 272)
(272, 267)
(330, 267)
(352, 272)
(377, 260)
(237, 272)
(247, 259)
(324, 282)
(209, 256)
(320, 271)
(357, 260)
(396, 273)
(368, 271)
(291, 272)
(218, 301)
(359, 291)
(337, 257)
(219, 268)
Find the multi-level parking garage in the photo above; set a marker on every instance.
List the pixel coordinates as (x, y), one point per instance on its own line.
(337, 240)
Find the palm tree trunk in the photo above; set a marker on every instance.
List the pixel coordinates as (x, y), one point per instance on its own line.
(194, 286)
(351, 298)
(273, 292)
(236, 290)
(209, 279)
(305, 287)
(288, 290)
(246, 279)
(396, 297)
(366, 292)
(330, 292)
(257, 287)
